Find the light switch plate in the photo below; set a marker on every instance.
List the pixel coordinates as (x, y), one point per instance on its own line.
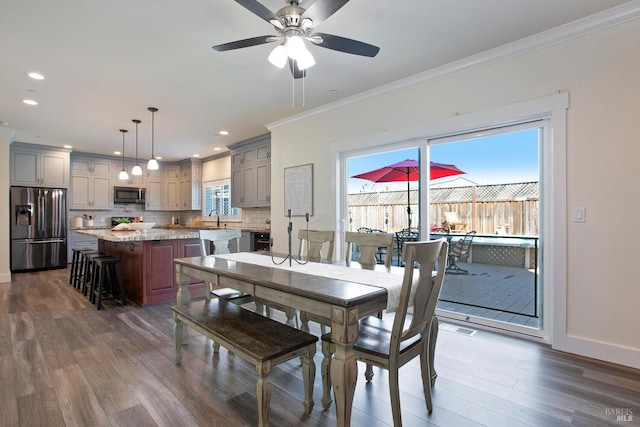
(580, 215)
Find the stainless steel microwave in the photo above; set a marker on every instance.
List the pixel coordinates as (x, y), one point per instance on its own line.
(129, 195)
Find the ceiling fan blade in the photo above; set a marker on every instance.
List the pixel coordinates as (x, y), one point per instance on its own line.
(322, 9)
(238, 44)
(344, 44)
(297, 72)
(258, 9)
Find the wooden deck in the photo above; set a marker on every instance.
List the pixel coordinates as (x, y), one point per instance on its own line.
(494, 292)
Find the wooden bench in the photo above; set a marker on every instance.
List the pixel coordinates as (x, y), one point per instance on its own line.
(259, 340)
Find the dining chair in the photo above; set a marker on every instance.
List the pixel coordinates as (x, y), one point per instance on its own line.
(392, 344)
(217, 242)
(313, 242)
(457, 250)
(369, 244)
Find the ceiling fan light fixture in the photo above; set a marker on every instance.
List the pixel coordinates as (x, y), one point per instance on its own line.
(278, 56)
(295, 46)
(305, 60)
(153, 163)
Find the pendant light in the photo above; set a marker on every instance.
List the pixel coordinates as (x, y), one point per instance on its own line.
(153, 163)
(137, 170)
(123, 176)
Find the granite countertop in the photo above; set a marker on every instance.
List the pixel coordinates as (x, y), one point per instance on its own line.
(93, 227)
(208, 227)
(133, 236)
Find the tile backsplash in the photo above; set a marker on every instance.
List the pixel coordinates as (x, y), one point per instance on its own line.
(251, 217)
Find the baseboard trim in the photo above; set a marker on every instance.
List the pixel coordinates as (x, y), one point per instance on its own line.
(607, 352)
(5, 278)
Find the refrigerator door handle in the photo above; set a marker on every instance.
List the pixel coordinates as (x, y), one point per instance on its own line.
(35, 242)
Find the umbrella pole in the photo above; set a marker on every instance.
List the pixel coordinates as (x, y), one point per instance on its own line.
(408, 200)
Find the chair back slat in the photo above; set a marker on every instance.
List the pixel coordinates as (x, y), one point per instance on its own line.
(369, 244)
(425, 288)
(221, 240)
(314, 240)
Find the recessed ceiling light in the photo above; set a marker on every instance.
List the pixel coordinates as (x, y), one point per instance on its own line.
(196, 155)
(158, 158)
(224, 132)
(36, 76)
(30, 102)
(117, 153)
(67, 146)
(217, 149)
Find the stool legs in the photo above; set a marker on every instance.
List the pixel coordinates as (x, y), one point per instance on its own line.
(107, 270)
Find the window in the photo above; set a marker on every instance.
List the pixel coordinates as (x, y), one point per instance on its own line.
(217, 201)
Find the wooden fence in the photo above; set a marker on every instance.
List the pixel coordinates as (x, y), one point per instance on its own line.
(387, 211)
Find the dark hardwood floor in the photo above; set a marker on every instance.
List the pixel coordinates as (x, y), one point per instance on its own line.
(63, 363)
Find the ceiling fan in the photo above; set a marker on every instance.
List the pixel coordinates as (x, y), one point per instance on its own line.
(294, 24)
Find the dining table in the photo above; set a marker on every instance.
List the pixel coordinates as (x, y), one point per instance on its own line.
(343, 293)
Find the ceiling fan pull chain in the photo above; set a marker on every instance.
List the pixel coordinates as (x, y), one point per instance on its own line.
(303, 88)
(293, 93)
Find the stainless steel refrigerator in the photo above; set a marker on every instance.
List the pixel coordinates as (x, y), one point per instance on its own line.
(38, 228)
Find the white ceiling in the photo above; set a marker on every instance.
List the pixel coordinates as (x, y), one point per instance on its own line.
(105, 62)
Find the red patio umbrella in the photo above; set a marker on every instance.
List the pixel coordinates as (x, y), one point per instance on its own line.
(408, 170)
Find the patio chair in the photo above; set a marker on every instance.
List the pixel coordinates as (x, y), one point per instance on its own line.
(406, 235)
(452, 223)
(391, 345)
(457, 250)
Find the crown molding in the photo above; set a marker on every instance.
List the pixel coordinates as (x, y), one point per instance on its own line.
(610, 17)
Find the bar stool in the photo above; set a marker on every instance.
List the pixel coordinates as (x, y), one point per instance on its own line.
(88, 269)
(76, 259)
(103, 268)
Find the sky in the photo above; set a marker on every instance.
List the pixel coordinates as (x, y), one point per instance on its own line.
(496, 159)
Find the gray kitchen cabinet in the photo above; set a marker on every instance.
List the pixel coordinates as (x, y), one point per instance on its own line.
(91, 183)
(191, 185)
(251, 172)
(245, 242)
(38, 166)
(133, 180)
(76, 240)
(155, 190)
(171, 185)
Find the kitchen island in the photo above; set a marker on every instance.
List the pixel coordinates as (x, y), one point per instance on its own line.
(147, 260)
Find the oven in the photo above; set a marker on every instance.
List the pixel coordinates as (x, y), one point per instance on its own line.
(260, 241)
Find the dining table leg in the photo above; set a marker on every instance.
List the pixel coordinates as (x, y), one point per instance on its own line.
(344, 369)
(183, 297)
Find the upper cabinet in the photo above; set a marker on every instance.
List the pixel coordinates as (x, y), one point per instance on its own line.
(171, 186)
(91, 182)
(38, 166)
(251, 172)
(155, 190)
(191, 185)
(133, 180)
